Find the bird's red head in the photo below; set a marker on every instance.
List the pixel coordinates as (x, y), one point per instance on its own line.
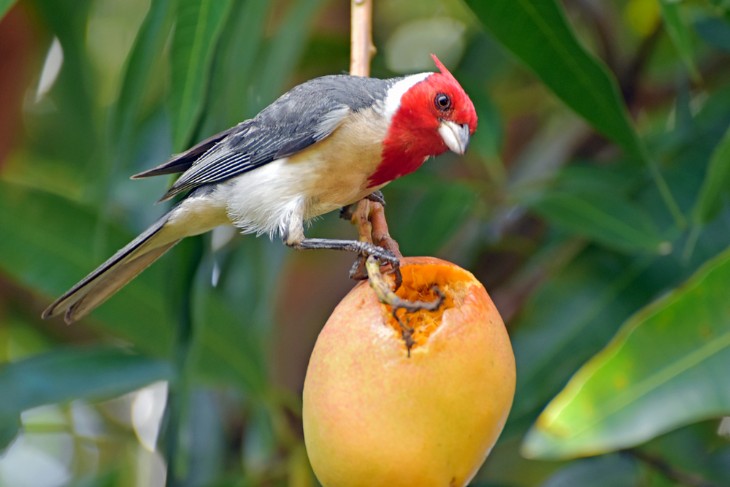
(433, 115)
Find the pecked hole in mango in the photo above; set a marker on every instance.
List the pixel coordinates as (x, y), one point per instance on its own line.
(419, 284)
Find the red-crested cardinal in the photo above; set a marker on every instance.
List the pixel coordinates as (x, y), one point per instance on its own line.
(325, 144)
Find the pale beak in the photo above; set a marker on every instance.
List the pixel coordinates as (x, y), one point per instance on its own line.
(456, 137)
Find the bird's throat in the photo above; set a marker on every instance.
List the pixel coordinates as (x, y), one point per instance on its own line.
(395, 164)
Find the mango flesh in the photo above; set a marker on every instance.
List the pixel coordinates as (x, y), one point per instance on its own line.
(376, 416)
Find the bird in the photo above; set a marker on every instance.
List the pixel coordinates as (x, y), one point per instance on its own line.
(323, 145)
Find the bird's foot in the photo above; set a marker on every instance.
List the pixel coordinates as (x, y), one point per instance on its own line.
(363, 249)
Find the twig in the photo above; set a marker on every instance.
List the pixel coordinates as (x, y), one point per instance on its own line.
(361, 37)
(630, 76)
(668, 471)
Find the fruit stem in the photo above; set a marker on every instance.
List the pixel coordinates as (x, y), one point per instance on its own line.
(386, 296)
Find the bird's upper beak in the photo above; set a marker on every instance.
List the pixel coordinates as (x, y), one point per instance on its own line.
(456, 137)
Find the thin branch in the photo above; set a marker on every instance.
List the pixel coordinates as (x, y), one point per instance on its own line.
(361, 37)
(670, 472)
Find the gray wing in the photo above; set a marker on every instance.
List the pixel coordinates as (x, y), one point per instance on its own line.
(301, 117)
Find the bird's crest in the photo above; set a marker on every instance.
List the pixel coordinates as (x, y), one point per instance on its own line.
(442, 68)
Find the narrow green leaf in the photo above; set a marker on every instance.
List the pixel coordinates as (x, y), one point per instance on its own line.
(539, 35)
(715, 32)
(234, 66)
(66, 374)
(679, 34)
(199, 24)
(5, 6)
(281, 56)
(229, 346)
(604, 217)
(139, 69)
(228, 352)
(604, 471)
(74, 90)
(667, 367)
(9, 428)
(716, 183)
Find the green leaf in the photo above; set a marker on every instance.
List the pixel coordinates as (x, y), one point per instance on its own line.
(65, 374)
(235, 64)
(604, 217)
(228, 351)
(607, 471)
(679, 34)
(54, 247)
(9, 428)
(74, 90)
(716, 183)
(144, 56)
(539, 35)
(230, 344)
(592, 202)
(68, 374)
(715, 32)
(667, 367)
(5, 6)
(199, 24)
(280, 57)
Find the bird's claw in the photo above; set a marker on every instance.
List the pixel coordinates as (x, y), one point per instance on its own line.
(384, 256)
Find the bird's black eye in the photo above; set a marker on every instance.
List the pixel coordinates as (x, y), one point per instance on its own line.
(442, 102)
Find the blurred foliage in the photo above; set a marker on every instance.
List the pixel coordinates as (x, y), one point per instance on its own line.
(608, 257)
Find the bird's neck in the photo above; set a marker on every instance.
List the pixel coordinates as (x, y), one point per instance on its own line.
(404, 151)
(394, 164)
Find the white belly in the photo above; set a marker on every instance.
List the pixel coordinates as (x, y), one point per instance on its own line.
(267, 200)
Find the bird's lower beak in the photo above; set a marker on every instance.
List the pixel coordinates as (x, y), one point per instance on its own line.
(455, 136)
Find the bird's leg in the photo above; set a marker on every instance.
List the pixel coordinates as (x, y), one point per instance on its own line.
(294, 237)
(369, 216)
(347, 212)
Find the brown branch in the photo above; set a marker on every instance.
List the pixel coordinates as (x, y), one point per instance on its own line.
(361, 37)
